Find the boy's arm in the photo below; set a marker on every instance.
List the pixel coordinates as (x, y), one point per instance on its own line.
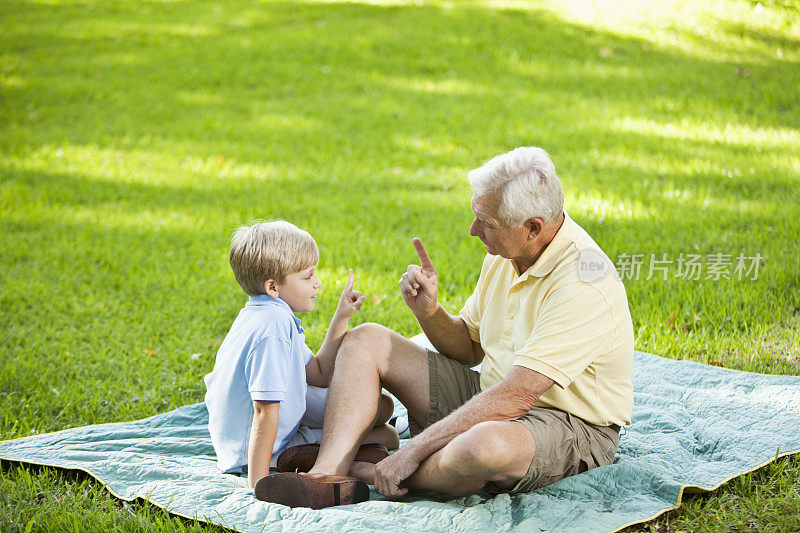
(262, 439)
(320, 369)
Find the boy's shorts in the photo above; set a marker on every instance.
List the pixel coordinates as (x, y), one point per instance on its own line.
(565, 444)
(310, 430)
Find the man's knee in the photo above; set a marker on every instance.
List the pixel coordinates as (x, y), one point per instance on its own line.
(365, 332)
(369, 341)
(491, 449)
(364, 340)
(369, 333)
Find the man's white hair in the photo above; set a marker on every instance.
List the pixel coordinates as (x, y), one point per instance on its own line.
(528, 182)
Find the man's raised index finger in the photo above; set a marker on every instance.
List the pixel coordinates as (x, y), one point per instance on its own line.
(424, 260)
(350, 278)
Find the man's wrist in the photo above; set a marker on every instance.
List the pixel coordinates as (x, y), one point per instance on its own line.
(424, 445)
(415, 449)
(422, 315)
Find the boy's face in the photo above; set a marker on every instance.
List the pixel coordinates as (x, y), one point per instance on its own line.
(300, 289)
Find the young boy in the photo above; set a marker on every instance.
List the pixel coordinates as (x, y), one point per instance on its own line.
(257, 393)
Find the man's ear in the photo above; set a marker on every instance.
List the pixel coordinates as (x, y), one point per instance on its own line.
(271, 289)
(534, 227)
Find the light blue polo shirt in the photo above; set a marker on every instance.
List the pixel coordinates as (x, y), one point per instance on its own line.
(263, 357)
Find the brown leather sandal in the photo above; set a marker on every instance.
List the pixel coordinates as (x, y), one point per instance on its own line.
(302, 458)
(316, 491)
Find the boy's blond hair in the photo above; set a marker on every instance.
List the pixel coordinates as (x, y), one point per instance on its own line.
(270, 250)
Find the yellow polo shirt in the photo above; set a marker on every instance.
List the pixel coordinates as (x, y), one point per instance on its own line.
(566, 317)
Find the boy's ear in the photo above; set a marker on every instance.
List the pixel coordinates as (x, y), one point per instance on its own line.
(271, 288)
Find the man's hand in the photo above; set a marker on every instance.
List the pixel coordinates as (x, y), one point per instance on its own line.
(392, 471)
(419, 284)
(350, 301)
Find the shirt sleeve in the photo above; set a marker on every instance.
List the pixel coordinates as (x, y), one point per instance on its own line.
(307, 354)
(574, 328)
(266, 368)
(472, 311)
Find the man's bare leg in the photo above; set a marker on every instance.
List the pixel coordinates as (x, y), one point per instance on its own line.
(491, 451)
(370, 357)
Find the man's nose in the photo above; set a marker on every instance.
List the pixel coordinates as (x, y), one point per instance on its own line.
(473, 229)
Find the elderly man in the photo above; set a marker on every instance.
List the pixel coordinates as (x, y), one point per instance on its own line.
(555, 344)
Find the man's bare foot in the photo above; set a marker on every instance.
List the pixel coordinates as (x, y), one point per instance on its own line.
(363, 471)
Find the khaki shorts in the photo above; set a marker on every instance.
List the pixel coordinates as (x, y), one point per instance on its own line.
(565, 444)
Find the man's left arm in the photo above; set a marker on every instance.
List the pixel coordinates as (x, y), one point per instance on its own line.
(508, 399)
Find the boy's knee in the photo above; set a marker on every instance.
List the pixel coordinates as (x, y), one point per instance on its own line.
(385, 409)
(385, 435)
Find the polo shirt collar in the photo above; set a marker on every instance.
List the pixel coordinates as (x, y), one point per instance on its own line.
(547, 261)
(265, 299)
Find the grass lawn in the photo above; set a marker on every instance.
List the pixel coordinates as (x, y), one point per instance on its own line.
(134, 136)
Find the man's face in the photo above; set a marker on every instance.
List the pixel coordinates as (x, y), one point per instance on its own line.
(497, 237)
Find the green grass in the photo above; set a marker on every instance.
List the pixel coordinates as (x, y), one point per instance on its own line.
(134, 136)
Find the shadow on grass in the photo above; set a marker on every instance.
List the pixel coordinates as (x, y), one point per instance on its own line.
(359, 122)
(280, 83)
(360, 117)
(433, 91)
(140, 241)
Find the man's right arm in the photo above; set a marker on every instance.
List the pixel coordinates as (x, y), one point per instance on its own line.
(450, 337)
(447, 333)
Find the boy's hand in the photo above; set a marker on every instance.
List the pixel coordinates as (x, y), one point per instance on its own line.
(320, 369)
(350, 301)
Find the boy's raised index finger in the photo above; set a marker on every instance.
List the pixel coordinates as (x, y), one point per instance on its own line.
(424, 260)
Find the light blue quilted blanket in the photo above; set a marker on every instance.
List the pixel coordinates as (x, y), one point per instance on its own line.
(694, 427)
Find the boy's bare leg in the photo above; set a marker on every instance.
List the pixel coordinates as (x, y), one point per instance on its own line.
(385, 410)
(370, 357)
(385, 435)
(382, 434)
